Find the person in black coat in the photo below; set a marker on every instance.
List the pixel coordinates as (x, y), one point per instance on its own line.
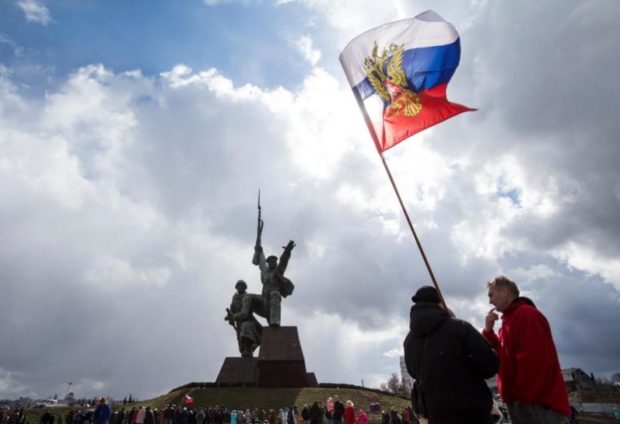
(316, 413)
(47, 417)
(338, 411)
(449, 360)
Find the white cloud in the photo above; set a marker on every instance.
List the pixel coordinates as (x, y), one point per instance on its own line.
(304, 45)
(11, 386)
(35, 11)
(533, 273)
(586, 258)
(129, 203)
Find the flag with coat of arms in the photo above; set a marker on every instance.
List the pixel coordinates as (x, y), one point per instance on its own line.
(399, 73)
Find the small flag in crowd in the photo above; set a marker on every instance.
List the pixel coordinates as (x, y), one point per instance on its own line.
(188, 400)
(399, 73)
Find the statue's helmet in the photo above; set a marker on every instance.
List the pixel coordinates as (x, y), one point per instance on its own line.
(272, 258)
(241, 284)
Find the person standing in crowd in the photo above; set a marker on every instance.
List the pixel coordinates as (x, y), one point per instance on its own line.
(329, 410)
(362, 418)
(140, 415)
(338, 410)
(102, 412)
(200, 416)
(291, 416)
(529, 379)
(305, 413)
(169, 414)
(394, 417)
(133, 414)
(349, 413)
(316, 414)
(148, 416)
(385, 417)
(47, 417)
(449, 360)
(405, 415)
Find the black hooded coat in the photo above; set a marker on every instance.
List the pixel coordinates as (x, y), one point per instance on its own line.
(449, 359)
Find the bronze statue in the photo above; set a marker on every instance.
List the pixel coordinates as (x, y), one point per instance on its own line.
(275, 284)
(268, 304)
(241, 317)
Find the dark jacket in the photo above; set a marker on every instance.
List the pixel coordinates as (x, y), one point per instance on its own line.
(102, 413)
(449, 360)
(316, 414)
(338, 410)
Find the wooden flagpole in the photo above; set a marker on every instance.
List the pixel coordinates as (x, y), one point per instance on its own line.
(415, 236)
(402, 205)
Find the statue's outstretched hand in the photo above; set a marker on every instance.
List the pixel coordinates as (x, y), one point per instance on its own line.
(291, 244)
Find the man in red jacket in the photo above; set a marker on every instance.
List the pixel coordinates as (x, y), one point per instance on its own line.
(529, 379)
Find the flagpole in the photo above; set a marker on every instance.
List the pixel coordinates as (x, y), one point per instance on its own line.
(415, 236)
(402, 205)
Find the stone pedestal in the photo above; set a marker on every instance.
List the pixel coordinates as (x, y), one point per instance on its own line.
(238, 372)
(280, 360)
(280, 363)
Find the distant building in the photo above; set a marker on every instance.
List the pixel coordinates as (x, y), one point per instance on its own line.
(492, 384)
(576, 379)
(404, 374)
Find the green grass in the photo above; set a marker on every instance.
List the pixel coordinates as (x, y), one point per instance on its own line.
(242, 398)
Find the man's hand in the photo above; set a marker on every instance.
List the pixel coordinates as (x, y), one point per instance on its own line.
(490, 320)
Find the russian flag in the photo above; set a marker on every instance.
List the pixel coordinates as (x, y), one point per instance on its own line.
(188, 400)
(399, 73)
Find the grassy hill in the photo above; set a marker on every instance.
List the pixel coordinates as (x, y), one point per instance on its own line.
(242, 398)
(237, 398)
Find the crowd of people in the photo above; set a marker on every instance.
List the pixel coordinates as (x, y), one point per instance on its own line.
(17, 416)
(333, 412)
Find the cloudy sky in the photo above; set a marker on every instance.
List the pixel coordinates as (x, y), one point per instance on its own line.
(134, 137)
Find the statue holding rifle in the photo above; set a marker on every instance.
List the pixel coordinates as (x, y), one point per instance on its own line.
(241, 317)
(275, 284)
(244, 305)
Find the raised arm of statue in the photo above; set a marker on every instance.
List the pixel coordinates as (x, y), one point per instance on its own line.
(259, 258)
(286, 255)
(258, 249)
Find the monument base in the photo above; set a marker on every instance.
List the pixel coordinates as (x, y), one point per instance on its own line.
(280, 363)
(238, 372)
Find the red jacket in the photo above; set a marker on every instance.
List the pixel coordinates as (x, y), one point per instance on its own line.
(529, 370)
(349, 415)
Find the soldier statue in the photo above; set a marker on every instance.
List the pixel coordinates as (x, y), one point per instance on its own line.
(268, 304)
(241, 317)
(275, 284)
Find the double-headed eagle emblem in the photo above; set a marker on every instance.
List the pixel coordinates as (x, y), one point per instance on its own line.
(391, 84)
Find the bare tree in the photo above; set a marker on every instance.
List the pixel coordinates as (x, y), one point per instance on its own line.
(396, 385)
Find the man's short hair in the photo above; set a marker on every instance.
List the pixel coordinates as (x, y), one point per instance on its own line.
(503, 282)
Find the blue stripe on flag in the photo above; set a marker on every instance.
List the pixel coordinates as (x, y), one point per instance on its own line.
(425, 68)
